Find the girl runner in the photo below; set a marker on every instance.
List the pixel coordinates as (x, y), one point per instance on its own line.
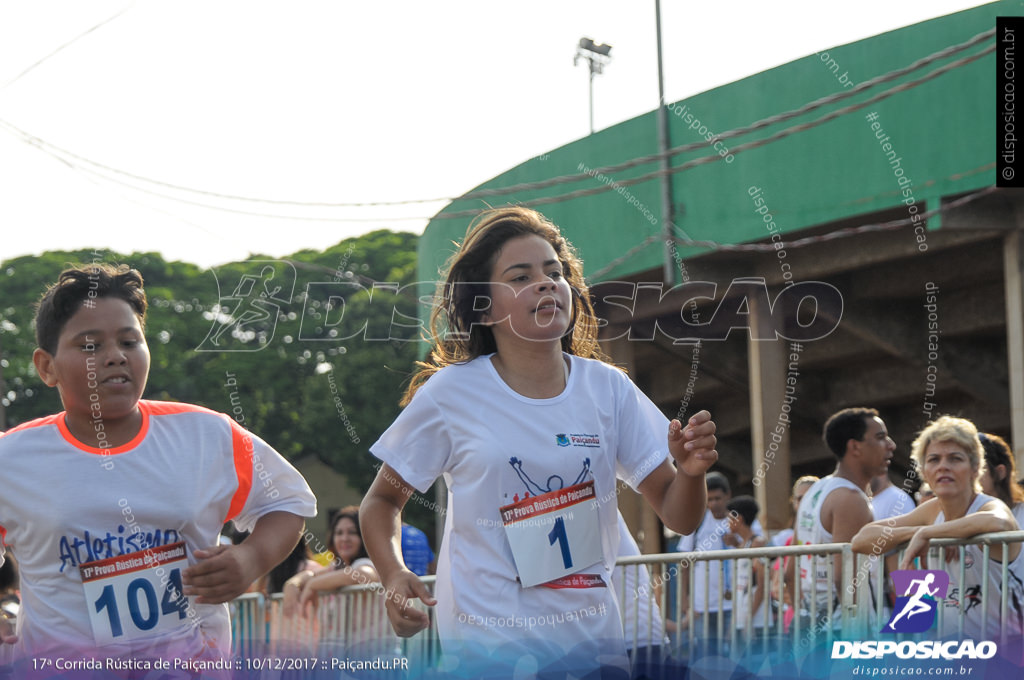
(530, 428)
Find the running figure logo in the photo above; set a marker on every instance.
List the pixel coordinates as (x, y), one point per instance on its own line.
(554, 482)
(245, 320)
(915, 609)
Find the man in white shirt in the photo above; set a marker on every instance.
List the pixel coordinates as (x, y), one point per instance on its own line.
(837, 506)
(887, 499)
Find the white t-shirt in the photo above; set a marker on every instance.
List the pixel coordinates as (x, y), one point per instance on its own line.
(744, 594)
(642, 621)
(781, 537)
(982, 619)
(891, 501)
(810, 531)
(710, 535)
(63, 504)
(494, 447)
(708, 575)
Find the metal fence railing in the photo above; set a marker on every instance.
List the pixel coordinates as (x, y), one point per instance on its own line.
(353, 622)
(653, 607)
(352, 619)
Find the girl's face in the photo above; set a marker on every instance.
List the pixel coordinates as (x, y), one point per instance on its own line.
(346, 540)
(530, 299)
(948, 469)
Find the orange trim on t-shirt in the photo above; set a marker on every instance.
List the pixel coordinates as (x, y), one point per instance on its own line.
(168, 408)
(146, 407)
(242, 447)
(3, 536)
(38, 422)
(62, 426)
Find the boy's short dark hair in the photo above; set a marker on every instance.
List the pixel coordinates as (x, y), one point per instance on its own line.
(78, 284)
(841, 427)
(716, 480)
(746, 507)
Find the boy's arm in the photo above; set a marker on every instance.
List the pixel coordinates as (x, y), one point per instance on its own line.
(225, 572)
(380, 518)
(680, 496)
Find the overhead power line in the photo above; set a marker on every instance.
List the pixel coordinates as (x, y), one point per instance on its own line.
(87, 163)
(771, 120)
(736, 150)
(63, 47)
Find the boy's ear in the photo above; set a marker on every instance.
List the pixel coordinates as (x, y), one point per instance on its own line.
(43, 361)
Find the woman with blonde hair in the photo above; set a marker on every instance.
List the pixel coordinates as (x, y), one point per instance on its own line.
(783, 570)
(950, 458)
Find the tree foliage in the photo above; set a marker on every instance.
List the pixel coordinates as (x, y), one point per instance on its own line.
(312, 356)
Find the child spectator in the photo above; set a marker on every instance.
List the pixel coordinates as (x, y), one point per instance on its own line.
(751, 579)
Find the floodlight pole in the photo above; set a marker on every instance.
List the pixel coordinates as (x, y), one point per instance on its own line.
(591, 97)
(669, 269)
(596, 57)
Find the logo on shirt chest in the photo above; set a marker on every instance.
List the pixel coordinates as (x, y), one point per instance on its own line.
(590, 441)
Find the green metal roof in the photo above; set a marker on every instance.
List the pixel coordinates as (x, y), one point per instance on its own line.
(942, 132)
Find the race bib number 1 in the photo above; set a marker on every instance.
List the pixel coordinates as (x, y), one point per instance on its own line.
(554, 534)
(135, 595)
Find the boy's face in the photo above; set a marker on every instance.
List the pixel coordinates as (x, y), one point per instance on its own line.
(102, 361)
(718, 502)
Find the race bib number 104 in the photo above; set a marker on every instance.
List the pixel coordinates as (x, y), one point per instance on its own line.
(136, 595)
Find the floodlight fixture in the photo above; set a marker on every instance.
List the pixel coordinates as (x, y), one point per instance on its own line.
(597, 56)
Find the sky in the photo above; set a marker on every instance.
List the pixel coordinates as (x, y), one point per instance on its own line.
(121, 120)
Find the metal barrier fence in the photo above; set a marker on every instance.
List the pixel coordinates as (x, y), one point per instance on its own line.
(354, 617)
(860, 609)
(986, 542)
(725, 629)
(351, 619)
